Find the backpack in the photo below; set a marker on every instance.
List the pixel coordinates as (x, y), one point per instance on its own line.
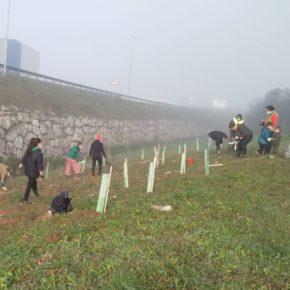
(61, 203)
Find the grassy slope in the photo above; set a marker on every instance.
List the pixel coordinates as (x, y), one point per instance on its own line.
(62, 100)
(226, 231)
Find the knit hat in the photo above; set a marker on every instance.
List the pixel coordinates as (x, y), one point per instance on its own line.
(99, 137)
(270, 108)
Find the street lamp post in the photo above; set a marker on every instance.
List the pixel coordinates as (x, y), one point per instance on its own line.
(131, 65)
(6, 42)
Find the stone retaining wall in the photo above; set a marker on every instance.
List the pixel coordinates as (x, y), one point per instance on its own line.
(18, 126)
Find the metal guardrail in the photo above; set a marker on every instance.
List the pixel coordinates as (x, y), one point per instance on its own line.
(31, 75)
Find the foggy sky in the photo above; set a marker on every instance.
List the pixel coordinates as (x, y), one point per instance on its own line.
(201, 49)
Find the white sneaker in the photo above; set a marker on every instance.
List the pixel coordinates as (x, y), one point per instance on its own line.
(4, 188)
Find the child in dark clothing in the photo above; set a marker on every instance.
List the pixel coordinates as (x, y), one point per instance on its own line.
(96, 153)
(264, 139)
(33, 166)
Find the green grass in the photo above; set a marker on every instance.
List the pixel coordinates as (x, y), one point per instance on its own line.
(229, 230)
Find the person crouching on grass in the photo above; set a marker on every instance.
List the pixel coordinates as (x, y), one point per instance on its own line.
(4, 173)
(33, 167)
(264, 139)
(72, 160)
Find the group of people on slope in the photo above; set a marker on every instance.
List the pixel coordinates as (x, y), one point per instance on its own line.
(241, 135)
(96, 153)
(32, 161)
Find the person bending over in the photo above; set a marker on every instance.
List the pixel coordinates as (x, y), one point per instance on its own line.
(218, 137)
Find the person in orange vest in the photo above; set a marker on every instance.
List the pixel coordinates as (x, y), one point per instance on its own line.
(272, 117)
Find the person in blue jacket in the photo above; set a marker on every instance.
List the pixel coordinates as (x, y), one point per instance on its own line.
(264, 138)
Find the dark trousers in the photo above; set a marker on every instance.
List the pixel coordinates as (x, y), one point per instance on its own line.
(3, 181)
(242, 147)
(31, 184)
(269, 144)
(269, 147)
(276, 143)
(218, 145)
(100, 163)
(262, 148)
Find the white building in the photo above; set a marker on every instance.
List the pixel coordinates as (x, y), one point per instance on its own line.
(19, 55)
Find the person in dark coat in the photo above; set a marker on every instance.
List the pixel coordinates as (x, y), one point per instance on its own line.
(277, 139)
(33, 166)
(96, 153)
(245, 137)
(218, 137)
(238, 119)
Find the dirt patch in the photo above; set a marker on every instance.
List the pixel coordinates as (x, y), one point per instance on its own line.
(54, 237)
(2, 198)
(81, 213)
(7, 212)
(8, 221)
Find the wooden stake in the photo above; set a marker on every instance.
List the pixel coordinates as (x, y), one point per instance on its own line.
(215, 165)
(126, 180)
(163, 155)
(150, 183)
(182, 164)
(158, 156)
(142, 155)
(206, 161)
(83, 164)
(197, 145)
(47, 169)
